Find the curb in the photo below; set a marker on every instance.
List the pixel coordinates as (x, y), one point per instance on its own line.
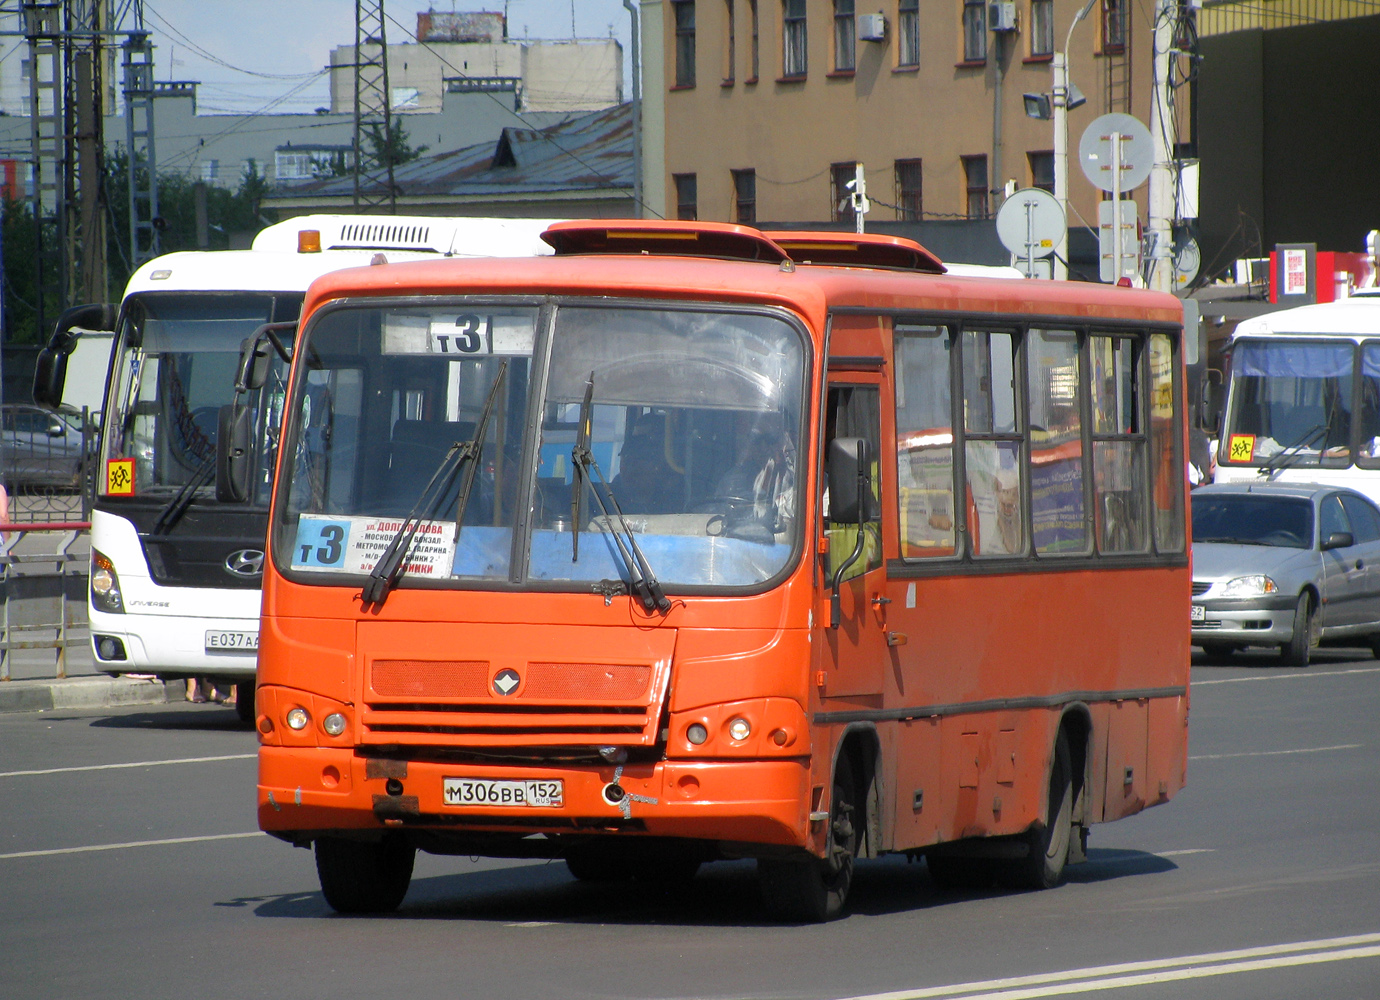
(86, 692)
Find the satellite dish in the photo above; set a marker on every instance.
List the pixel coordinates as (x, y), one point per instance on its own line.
(1030, 222)
(1187, 260)
(1137, 151)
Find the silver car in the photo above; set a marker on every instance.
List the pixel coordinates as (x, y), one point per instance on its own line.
(1294, 566)
(41, 447)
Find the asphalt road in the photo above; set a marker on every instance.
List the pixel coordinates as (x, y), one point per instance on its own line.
(1260, 881)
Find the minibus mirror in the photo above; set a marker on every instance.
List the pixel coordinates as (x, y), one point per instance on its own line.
(232, 453)
(257, 352)
(50, 370)
(850, 481)
(1338, 540)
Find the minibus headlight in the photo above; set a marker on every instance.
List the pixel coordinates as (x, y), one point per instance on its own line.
(696, 733)
(105, 585)
(739, 729)
(334, 724)
(297, 718)
(1250, 586)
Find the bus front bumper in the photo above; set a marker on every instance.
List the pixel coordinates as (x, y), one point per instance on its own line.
(174, 646)
(308, 791)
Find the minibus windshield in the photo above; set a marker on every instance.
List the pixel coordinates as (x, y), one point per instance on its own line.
(694, 425)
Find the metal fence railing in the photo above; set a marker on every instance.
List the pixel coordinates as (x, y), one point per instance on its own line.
(48, 463)
(42, 590)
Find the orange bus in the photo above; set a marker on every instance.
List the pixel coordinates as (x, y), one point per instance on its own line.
(690, 543)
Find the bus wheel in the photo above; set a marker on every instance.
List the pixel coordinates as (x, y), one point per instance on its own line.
(598, 863)
(1296, 652)
(244, 701)
(814, 891)
(361, 877)
(1043, 867)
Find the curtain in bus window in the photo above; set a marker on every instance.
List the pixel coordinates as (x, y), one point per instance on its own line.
(1119, 448)
(992, 454)
(925, 441)
(1058, 522)
(1166, 462)
(1368, 416)
(1293, 397)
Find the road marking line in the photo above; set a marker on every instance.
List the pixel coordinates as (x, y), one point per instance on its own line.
(1276, 753)
(132, 843)
(137, 763)
(1287, 677)
(1107, 977)
(1189, 850)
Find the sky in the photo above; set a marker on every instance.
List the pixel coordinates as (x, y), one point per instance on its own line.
(269, 55)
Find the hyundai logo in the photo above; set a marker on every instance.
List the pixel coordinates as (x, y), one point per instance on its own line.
(507, 681)
(245, 563)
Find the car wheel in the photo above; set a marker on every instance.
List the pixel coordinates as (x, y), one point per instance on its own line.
(1299, 648)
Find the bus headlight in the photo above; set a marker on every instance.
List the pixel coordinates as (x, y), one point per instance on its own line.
(333, 724)
(739, 729)
(297, 719)
(105, 585)
(1249, 586)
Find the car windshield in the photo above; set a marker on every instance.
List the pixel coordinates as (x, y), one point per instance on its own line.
(694, 428)
(1252, 520)
(175, 368)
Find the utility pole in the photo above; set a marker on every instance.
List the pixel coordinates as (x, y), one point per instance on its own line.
(1163, 205)
(1060, 101)
(632, 10)
(374, 186)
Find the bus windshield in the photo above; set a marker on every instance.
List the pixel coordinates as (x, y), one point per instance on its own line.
(174, 368)
(1294, 396)
(694, 422)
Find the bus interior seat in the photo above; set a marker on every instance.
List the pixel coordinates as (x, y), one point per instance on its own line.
(419, 446)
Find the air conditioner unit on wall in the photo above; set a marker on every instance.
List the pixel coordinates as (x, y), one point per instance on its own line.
(871, 27)
(1001, 16)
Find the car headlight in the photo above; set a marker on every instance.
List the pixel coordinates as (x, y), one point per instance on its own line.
(1250, 586)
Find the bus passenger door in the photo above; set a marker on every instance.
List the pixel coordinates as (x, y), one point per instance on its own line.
(856, 652)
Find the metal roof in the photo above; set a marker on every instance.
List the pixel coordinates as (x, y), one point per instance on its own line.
(592, 152)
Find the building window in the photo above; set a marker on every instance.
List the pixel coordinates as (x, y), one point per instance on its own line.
(210, 170)
(845, 37)
(840, 194)
(908, 33)
(687, 196)
(974, 30)
(685, 43)
(1113, 26)
(910, 206)
(745, 197)
(1042, 170)
(756, 49)
(975, 179)
(730, 42)
(1042, 27)
(793, 61)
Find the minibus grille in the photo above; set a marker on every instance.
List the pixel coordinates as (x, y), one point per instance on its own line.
(460, 703)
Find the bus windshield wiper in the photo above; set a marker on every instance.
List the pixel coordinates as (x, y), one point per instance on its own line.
(643, 580)
(392, 564)
(1286, 457)
(174, 509)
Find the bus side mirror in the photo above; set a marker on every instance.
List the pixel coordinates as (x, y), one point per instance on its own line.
(232, 453)
(50, 370)
(1210, 406)
(256, 354)
(850, 481)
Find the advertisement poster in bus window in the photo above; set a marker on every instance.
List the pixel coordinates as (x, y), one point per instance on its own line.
(926, 473)
(1056, 492)
(995, 484)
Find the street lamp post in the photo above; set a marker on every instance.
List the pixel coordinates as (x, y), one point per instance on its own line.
(1060, 107)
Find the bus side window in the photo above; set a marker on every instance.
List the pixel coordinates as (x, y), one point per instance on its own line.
(925, 442)
(1058, 522)
(1165, 461)
(1118, 445)
(992, 449)
(854, 411)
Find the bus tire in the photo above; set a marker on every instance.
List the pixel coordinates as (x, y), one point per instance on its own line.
(1048, 843)
(598, 863)
(814, 890)
(1297, 651)
(361, 877)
